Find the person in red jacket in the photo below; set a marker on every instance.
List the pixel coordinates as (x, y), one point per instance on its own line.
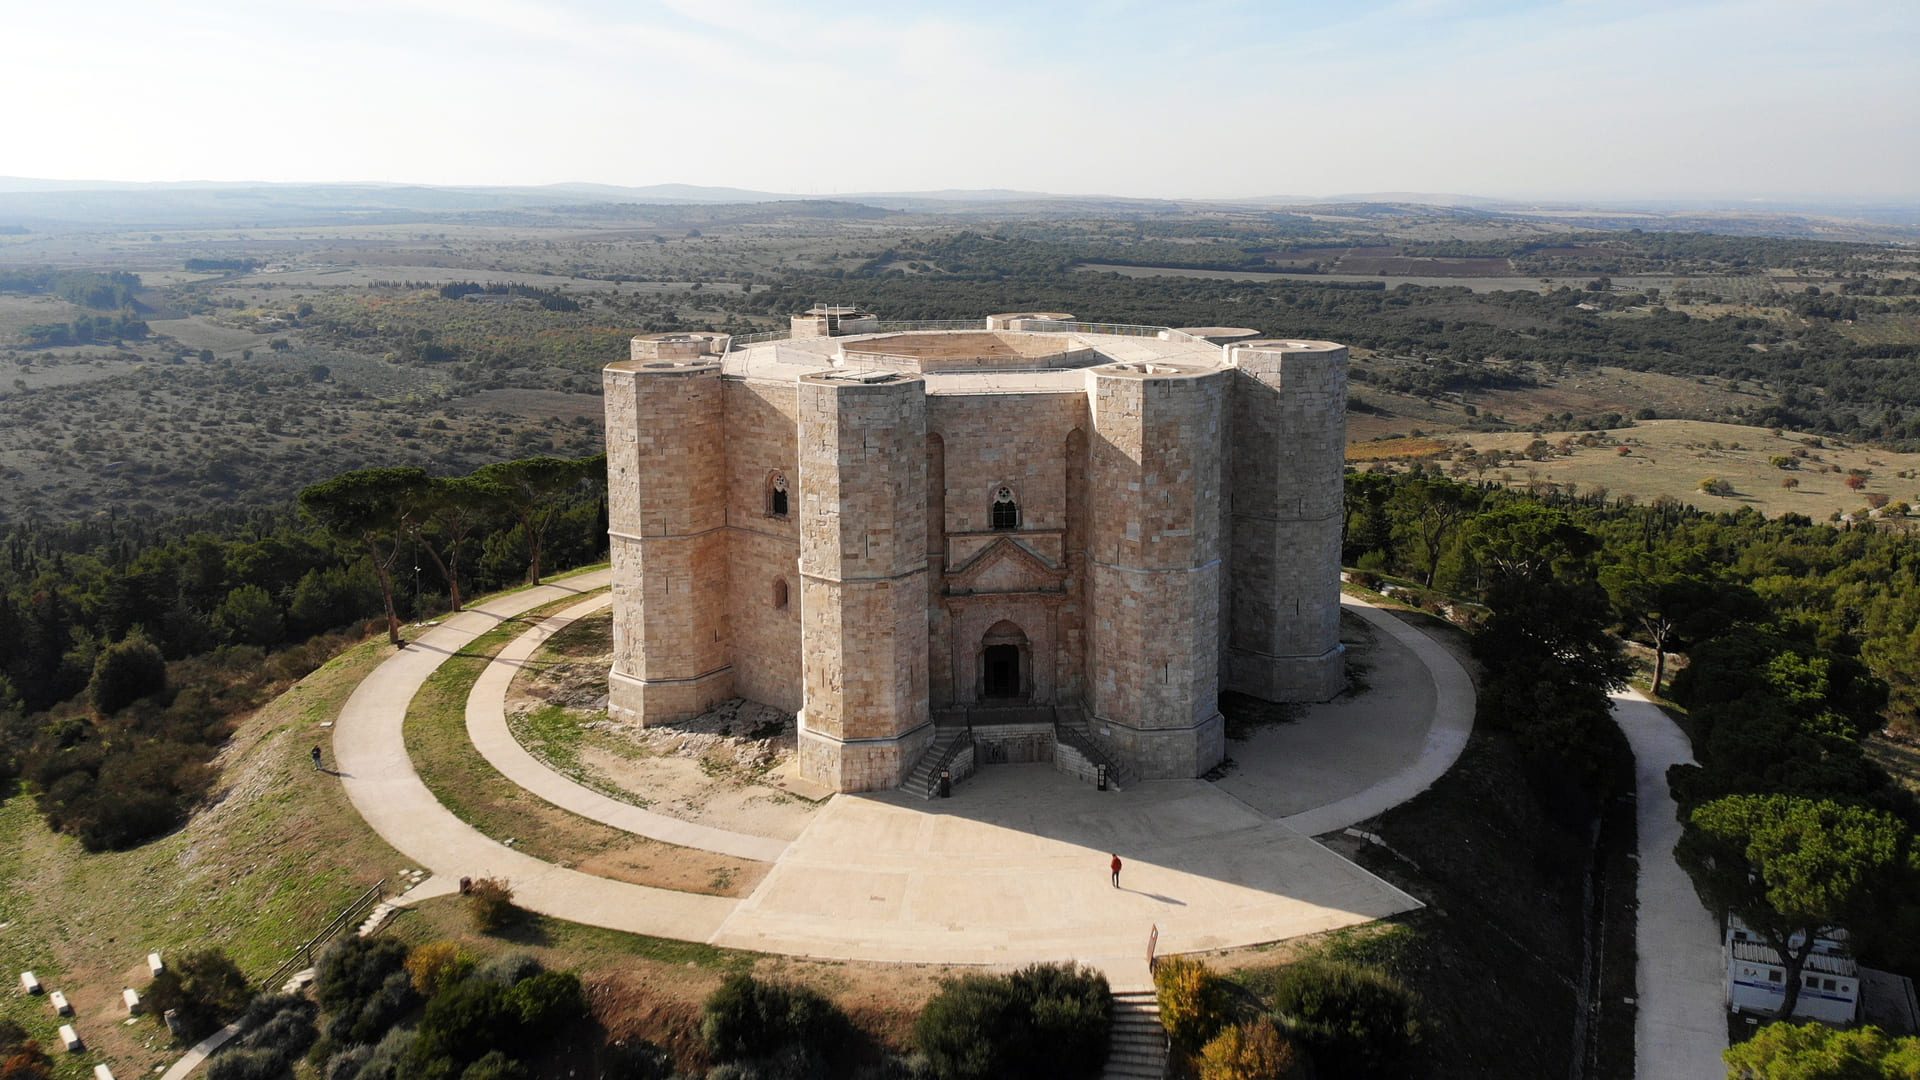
(1116, 871)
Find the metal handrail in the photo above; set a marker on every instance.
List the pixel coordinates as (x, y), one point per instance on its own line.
(1084, 743)
(305, 952)
(946, 759)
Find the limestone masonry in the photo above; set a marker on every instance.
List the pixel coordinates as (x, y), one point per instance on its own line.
(1009, 528)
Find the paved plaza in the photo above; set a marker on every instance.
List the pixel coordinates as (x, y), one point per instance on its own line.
(1011, 869)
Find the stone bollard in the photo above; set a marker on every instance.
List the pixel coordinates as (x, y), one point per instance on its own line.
(132, 997)
(61, 1006)
(172, 1017)
(71, 1039)
(154, 963)
(101, 1072)
(29, 982)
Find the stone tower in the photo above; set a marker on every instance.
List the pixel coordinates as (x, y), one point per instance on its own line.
(1286, 457)
(1154, 555)
(863, 577)
(666, 518)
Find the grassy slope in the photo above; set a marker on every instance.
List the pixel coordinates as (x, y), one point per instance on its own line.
(256, 874)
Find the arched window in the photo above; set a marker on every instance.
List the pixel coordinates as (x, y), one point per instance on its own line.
(1006, 512)
(777, 494)
(779, 592)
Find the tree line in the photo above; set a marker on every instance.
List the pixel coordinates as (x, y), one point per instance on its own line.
(1799, 642)
(131, 647)
(1826, 380)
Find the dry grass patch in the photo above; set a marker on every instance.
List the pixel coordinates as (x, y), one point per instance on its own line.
(1671, 457)
(1403, 449)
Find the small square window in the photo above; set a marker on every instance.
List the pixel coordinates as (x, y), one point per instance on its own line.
(1776, 976)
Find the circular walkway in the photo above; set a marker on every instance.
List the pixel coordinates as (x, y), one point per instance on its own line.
(1010, 870)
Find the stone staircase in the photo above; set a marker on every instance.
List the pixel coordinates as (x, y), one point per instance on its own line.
(1137, 1045)
(1070, 726)
(924, 780)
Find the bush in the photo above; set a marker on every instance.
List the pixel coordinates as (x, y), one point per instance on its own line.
(509, 968)
(363, 985)
(281, 1023)
(1046, 1020)
(495, 1065)
(125, 672)
(472, 1017)
(1252, 1051)
(549, 1000)
(436, 965)
(250, 1065)
(203, 988)
(1194, 1003)
(746, 1018)
(389, 1056)
(1355, 1021)
(490, 904)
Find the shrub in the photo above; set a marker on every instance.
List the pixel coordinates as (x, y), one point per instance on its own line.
(469, 1018)
(282, 1023)
(1046, 1020)
(250, 1065)
(746, 1018)
(125, 672)
(495, 1065)
(1251, 1051)
(548, 1000)
(364, 986)
(203, 989)
(1194, 1003)
(436, 965)
(389, 1056)
(490, 904)
(349, 1063)
(509, 968)
(463, 1022)
(1354, 1021)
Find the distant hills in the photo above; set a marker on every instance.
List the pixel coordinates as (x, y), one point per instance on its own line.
(63, 205)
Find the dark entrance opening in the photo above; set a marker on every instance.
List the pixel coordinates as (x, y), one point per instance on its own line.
(1003, 671)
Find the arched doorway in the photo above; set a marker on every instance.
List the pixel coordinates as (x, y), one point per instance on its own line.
(1006, 666)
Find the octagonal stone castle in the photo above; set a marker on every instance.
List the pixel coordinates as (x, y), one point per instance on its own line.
(1027, 534)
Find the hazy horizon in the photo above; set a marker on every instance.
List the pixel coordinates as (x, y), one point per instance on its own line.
(1574, 101)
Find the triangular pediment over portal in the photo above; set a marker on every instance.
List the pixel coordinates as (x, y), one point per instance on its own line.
(1005, 566)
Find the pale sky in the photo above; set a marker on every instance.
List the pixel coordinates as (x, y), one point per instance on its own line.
(1578, 99)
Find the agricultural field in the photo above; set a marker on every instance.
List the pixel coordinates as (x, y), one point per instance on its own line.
(1671, 458)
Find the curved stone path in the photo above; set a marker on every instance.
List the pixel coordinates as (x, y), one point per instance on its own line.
(371, 758)
(487, 727)
(1452, 722)
(1012, 869)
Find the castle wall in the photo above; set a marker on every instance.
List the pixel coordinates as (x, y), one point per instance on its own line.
(863, 564)
(1287, 462)
(1154, 491)
(666, 515)
(763, 549)
(1019, 440)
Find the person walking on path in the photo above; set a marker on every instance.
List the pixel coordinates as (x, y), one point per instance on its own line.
(316, 759)
(1116, 871)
